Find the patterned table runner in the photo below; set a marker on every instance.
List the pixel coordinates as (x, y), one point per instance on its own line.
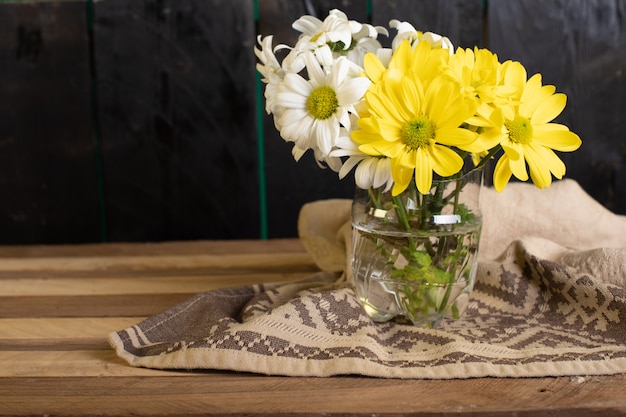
(549, 300)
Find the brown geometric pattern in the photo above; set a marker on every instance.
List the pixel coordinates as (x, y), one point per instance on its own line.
(528, 317)
(540, 308)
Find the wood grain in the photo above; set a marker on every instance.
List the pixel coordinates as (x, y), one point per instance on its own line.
(231, 394)
(48, 176)
(55, 360)
(577, 45)
(176, 94)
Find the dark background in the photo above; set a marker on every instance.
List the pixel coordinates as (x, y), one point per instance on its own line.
(142, 120)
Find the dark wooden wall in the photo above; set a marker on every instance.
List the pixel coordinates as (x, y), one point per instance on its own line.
(141, 120)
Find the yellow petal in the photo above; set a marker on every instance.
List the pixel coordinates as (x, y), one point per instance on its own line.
(547, 158)
(557, 137)
(366, 125)
(513, 150)
(514, 75)
(373, 67)
(539, 168)
(486, 140)
(363, 136)
(403, 99)
(454, 136)
(445, 161)
(401, 176)
(389, 129)
(377, 105)
(423, 171)
(400, 62)
(518, 167)
(502, 173)
(549, 109)
(383, 147)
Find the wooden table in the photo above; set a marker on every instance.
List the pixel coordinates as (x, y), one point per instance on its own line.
(57, 304)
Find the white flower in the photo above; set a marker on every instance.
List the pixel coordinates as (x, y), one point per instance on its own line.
(335, 28)
(371, 171)
(323, 161)
(271, 71)
(364, 40)
(335, 36)
(406, 31)
(315, 109)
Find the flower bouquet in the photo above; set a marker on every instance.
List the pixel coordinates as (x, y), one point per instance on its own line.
(416, 122)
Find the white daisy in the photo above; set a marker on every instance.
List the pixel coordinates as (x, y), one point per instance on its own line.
(335, 36)
(315, 109)
(271, 71)
(371, 171)
(364, 40)
(334, 29)
(323, 161)
(407, 31)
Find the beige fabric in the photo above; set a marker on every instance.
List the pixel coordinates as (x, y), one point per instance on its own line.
(549, 299)
(563, 214)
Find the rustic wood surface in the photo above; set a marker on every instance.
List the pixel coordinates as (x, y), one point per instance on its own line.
(58, 303)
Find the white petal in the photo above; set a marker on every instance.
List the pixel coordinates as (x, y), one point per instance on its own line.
(352, 91)
(317, 76)
(291, 100)
(325, 132)
(324, 55)
(297, 84)
(340, 71)
(348, 165)
(384, 55)
(362, 175)
(307, 24)
(297, 152)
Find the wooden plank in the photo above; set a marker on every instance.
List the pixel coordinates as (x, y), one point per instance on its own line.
(220, 394)
(176, 90)
(156, 249)
(136, 305)
(171, 262)
(579, 46)
(291, 184)
(54, 328)
(59, 334)
(93, 363)
(165, 284)
(48, 176)
(193, 259)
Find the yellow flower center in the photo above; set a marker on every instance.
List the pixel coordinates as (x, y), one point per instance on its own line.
(322, 102)
(520, 130)
(418, 132)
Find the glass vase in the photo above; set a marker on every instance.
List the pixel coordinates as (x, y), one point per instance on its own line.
(415, 255)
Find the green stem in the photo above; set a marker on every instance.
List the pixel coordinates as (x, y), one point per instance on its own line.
(403, 218)
(488, 157)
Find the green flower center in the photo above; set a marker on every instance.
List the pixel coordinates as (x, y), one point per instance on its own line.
(520, 130)
(418, 132)
(322, 102)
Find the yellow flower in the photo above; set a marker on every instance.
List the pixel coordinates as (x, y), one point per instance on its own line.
(478, 72)
(413, 117)
(524, 131)
(482, 79)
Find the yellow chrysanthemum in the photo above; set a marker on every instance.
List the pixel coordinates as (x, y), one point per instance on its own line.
(414, 118)
(478, 72)
(525, 132)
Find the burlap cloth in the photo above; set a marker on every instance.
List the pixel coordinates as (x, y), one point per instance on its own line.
(550, 300)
